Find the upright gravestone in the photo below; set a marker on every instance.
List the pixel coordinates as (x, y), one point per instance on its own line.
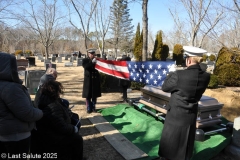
(40, 57)
(104, 56)
(59, 59)
(66, 57)
(61, 55)
(71, 59)
(110, 58)
(233, 150)
(18, 56)
(46, 61)
(53, 59)
(31, 61)
(32, 79)
(68, 64)
(79, 61)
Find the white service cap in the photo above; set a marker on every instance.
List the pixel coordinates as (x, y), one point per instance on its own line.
(193, 51)
(92, 50)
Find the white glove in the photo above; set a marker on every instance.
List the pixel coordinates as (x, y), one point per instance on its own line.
(94, 60)
(172, 68)
(76, 129)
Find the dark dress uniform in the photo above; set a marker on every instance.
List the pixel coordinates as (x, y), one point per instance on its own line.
(186, 88)
(91, 84)
(124, 84)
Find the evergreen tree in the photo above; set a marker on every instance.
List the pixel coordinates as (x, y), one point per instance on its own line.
(212, 57)
(165, 52)
(156, 55)
(178, 54)
(120, 24)
(205, 57)
(138, 45)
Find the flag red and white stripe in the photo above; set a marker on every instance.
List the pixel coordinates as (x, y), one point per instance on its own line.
(118, 69)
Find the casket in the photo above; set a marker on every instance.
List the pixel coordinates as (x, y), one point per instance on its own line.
(208, 108)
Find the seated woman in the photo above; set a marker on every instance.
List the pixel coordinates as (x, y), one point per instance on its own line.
(55, 133)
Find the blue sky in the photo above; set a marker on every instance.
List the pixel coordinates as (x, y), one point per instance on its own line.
(159, 17)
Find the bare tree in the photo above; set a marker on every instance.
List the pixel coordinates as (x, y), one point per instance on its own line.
(151, 40)
(6, 10)
(42, 18)
(202, 18)
(6, 14)
(145, 30)
(145, 27)
(85, 11)
(237, 5)
(231, 27)
(102, 22)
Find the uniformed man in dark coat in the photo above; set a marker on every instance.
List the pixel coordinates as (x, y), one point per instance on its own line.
(124, 84)
(186, 88)
(91, 84)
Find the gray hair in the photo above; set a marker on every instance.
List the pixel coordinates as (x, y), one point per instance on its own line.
(51, 71)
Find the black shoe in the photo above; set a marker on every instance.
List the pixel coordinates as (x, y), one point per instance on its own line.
(89, 112)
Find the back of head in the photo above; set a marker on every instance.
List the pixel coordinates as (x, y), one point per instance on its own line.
(91, 52)
(52, 71)
(195, 53)
(52, 89)
(8, 68)
(125, 58)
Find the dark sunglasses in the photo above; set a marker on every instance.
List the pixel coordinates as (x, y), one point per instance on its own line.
(185, 56)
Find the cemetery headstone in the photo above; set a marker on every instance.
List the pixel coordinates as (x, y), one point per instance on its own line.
(59, 59)
(32, 79)
(40, 57)
(104, 56)
(68, 64)
(79, 61)
(47, 61)
(71, 59)
(31, 61)
(18, 56)
(53, 59)
(110, 58)
(61, 55)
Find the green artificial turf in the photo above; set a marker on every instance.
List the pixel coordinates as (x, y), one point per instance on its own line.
(144, 131)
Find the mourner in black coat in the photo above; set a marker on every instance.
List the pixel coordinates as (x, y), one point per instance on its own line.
(91, 84)
(186, 88)
(124, 84)
(55, 133)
